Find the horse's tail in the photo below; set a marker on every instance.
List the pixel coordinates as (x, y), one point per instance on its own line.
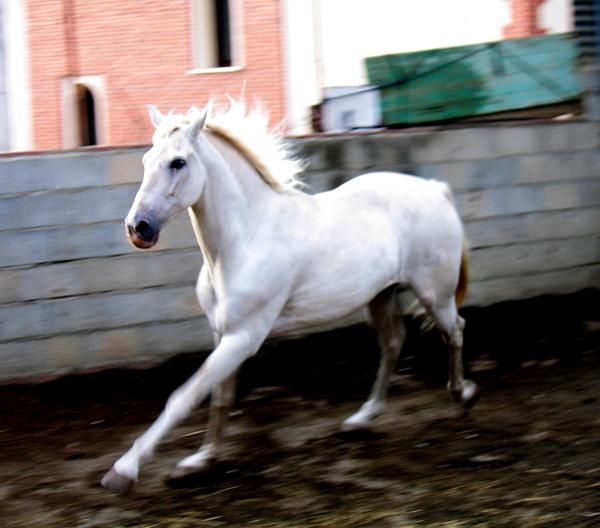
(463, 275)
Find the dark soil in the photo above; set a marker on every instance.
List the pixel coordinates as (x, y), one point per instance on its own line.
(528, 455)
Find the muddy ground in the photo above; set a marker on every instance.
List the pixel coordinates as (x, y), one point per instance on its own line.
(527, 455)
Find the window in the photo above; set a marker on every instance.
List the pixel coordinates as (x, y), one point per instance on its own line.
(85, 121)
(86, 116)
(213, 34)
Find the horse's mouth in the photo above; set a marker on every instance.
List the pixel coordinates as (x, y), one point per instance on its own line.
(140, 243)
(142, 240)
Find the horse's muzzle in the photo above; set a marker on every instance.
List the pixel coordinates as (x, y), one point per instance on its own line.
(142, 234)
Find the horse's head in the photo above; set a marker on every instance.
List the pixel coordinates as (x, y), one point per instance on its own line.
(173, 176)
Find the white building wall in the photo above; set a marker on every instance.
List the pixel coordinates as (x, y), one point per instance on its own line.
(355, 29)
(556, 16)
(17, 74)
(303, 67)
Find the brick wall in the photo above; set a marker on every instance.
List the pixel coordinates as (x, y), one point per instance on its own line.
(75, 295)
(143, 50)
(524, 19)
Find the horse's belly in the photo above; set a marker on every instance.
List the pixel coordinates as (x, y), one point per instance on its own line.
(298, 324)
(333, 302)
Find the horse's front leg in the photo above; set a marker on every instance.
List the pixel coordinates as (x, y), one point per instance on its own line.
(224, 361)
(220, 405)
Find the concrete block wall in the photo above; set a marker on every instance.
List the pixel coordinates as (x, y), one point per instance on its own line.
(74, 295)
(529, 196)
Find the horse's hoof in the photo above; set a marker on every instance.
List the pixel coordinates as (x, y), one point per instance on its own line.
(363, 418)
(181, 472)
(472, 398)
(116, 482)
(188, 476)
(356, 431)
(468, 395)
(349, 426)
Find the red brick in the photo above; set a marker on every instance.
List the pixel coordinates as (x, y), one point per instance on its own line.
(524, 19)
(143, 50)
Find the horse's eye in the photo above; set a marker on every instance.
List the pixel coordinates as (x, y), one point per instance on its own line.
(177, 164)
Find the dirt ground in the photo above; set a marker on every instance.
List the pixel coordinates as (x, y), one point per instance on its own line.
(528, 455)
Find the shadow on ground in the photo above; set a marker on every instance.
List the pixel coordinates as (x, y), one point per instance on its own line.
(527, 455)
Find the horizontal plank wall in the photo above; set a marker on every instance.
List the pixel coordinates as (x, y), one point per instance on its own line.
(74, 295)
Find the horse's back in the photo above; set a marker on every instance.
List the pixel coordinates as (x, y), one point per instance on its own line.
(394, 186)
(416, 208)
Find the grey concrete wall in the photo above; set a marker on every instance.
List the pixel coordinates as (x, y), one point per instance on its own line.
(529, 196)
(75, 295)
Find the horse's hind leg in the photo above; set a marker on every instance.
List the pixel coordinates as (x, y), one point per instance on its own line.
(452, 325)
(220, 405)
(391, 332)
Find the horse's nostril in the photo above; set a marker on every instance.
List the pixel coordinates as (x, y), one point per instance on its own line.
(142, 231)
(145, 231)
(142, 228)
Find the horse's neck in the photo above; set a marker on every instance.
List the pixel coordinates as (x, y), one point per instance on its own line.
(232, 204)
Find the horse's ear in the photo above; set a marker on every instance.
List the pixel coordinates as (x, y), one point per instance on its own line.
(196, 125)
(155, 116)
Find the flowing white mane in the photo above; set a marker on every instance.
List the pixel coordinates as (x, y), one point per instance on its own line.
(248, 132)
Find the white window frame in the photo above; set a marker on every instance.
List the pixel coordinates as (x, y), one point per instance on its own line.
(206, 25)
(70, 121)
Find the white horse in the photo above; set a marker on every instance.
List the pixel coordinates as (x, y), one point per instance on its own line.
(278, 261)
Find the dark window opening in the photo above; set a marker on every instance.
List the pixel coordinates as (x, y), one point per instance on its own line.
(223, 33)
(86, 116)
(212, 37)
